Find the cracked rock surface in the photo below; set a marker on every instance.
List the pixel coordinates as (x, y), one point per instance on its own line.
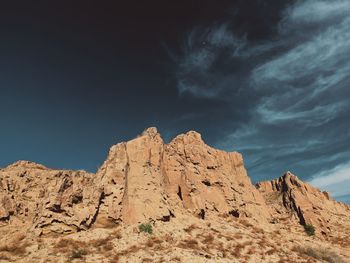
(146, 180)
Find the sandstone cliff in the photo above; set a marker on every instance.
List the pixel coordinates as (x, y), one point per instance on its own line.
(200, 200)
(147, 180)
(35, 197)
(289, 196)
(141, 180)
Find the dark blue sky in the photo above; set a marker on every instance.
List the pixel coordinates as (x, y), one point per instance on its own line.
(266, 78)
(77, 78)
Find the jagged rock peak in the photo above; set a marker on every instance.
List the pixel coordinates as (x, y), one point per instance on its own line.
(151, 132)
(147, 179)
(288, 195)
(289, 177)
(26, 165)
(191, 137)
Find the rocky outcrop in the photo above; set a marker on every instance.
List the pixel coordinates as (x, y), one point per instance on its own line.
(288, 195)
(133, 180)
(207, 181)
(141, 180)
(36, 197)
(146, 180)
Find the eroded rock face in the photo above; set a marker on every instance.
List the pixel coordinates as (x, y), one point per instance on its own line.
(141, 180)
(146, 180)
(288, 195)
(133, 180)
(209, 181)
(36, 197)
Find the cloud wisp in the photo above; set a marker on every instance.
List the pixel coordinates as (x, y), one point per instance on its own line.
(297, 83)
(336, 180)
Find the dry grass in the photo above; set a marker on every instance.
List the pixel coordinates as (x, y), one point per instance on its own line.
(75, 249)
(342, 241)
(17, 246)
(153, 244)
(107, 223)
(271, 251)
(263, 243)
(145, 260)
(236, 251)
(68, 245)
(251, 251)
(79, 249)
(153, 241)
(238, 236)
(4, 258)
(103, 244)
(126, 252)
(227, 237)
(246, 223)
(189, 244)
(169, 239)
(319, 254)
(114, 259)
(258, 230)
(208, 239)
(78, 254)
(190, 228)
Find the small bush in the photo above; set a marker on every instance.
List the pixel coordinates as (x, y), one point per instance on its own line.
(309, 229)
(147, 228)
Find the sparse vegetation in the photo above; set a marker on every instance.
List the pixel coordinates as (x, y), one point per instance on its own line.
(146, 228)
(309, 229)
(68, 245)
(75, 249)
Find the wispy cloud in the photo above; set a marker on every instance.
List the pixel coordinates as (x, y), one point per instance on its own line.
(336, 180)
(296, 86)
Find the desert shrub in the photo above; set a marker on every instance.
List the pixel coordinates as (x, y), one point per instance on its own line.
(147, 228)
(309, 229)
(79, 253)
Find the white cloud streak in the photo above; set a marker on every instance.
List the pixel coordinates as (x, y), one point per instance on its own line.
(336, 180)
(300, 80)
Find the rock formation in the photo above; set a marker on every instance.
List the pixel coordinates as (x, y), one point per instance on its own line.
(289, 196)
(199, 200)
(36, 197)
(146, 180)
